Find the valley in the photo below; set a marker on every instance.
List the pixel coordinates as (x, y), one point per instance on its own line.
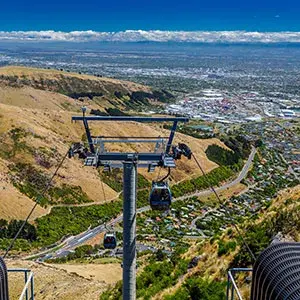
(191, 245)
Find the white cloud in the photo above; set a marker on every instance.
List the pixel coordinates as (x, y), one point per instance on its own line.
(154, 35)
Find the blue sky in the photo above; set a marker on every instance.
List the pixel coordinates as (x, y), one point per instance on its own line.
(116, 15)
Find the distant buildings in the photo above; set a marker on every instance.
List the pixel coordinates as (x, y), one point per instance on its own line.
(233, 107)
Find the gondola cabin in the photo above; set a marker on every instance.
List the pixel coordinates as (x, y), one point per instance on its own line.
(160, 196)
(110, 240)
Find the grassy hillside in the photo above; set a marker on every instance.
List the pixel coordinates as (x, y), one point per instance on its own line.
(35, 132)
(226, 250)
(198, 270)
(267, 208)
(51, 282)
(103, 95)
(65, 82)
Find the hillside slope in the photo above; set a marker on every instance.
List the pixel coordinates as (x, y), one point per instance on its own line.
(36, 131)
(99, 93)
(62, 81)
(281, 217)
(54, 283)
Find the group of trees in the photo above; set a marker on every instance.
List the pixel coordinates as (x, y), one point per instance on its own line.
(240, 147)
(132, 101)
(108, 112)
(198, 134)
(90, 95)
(141, 96)
(196, 287)
(214, 178)
(156, 276)
(31, 181)
(64, 221)
(238, 144)
(222, 156)
(8, 230)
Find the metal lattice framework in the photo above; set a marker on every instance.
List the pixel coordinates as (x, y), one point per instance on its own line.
(99, 156)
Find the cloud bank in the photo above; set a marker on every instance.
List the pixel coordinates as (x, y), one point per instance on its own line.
(154, 36)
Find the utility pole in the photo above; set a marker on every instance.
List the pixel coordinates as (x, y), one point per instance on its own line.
(129, 229)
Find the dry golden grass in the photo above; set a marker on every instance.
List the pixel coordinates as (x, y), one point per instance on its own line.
(29, 97)
(56, 131)
(38, 73)
(43, 114)
(53, 283)
(13, 204)
(109, 273)
(213, 267)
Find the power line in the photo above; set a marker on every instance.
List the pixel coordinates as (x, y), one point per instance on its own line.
(226, 209)
(36, 204)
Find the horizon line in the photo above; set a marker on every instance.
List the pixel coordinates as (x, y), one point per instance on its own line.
(196, 36)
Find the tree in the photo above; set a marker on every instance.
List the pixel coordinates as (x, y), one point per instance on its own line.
(160, 255)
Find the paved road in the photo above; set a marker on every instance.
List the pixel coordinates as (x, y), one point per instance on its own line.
(75, 241)
(290, 168)
(237, 180)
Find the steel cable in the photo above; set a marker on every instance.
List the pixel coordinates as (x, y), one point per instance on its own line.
(36, 204)
(226, 209)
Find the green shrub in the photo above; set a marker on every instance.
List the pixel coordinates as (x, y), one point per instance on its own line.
(19, 245)
(222, 156)
(196, 288)
(31, 182)
(215, 177)
(64, 221)
(14, 143)
(155, 277)
(226, 247)
(68, 195)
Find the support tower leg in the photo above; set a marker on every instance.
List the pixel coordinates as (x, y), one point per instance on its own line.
(129, 230)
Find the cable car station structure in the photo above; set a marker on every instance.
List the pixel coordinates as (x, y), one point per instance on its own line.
(98, 156)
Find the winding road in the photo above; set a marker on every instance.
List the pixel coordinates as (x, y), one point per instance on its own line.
(75, 241)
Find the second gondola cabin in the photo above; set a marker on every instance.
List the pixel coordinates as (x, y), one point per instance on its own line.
(160, 196)
(110, 240)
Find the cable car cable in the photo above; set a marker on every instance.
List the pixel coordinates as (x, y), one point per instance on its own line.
(108, 231)
(103, 191)
(165, 177)
(226, 210)
(158, 175)
(36, 204)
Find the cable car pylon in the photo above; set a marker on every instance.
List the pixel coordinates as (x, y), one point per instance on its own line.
(163, 156)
